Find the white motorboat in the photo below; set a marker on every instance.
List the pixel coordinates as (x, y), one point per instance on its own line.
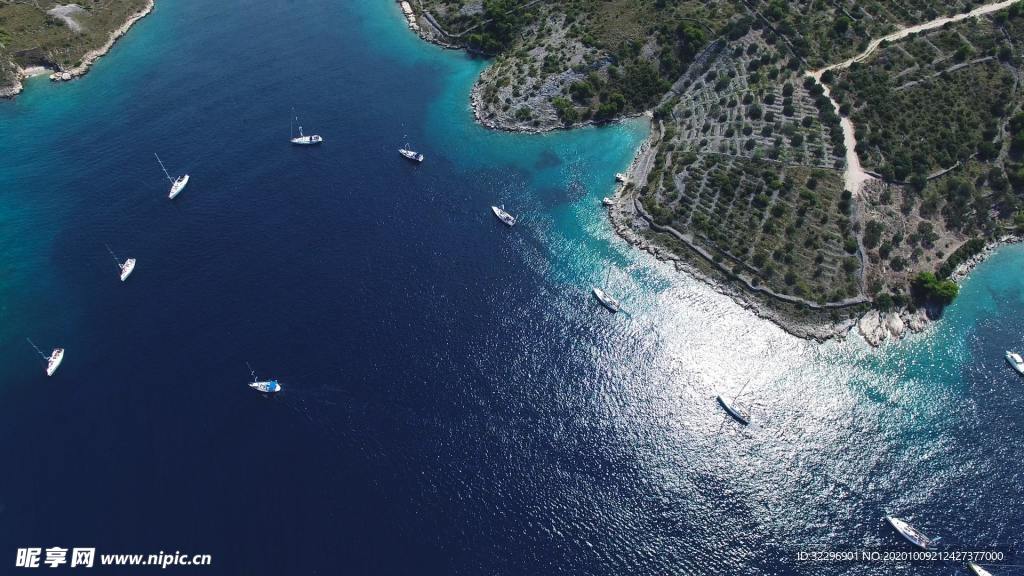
(977, 570)
(911, 534)
(177, 184)
(411, 154)
(606, 300)
(620, 177)
(741, 414)
(1015, 361)
(54, 361)
(607, 201)
(504, 216)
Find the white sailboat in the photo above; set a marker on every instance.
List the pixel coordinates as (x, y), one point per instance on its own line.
(177, 184)
(741, 414)
(738, 411)
(53, 360)
(1015, 361)
(302, 139)
(977, 570)
(411, 154)
(266, 386)
(126, 267)
(606, 299)
(911, 534)
(505, 217)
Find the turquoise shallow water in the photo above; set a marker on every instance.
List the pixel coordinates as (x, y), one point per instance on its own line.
(455, 401)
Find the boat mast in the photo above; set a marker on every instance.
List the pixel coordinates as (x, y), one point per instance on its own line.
(169, 179)
(45, 357)
(116, 259)
(251, 372)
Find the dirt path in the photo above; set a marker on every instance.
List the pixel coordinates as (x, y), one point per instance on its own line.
(855, 176)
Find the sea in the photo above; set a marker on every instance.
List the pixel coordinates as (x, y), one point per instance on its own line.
(455, 401)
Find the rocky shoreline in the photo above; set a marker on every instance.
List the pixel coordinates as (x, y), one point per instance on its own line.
(627, 223)
(875, 326)
(87, 59)
(92, 55)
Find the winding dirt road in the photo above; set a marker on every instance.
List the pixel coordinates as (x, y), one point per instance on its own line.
(855, 176)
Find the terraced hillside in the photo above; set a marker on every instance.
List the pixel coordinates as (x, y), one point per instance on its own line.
(827, 32)
(746, 171)
(939, 117)
(567, 62)
(744, 176)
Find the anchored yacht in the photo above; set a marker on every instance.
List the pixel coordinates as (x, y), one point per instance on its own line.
(606, 299)
(177, 184)
(302, 139)
(504, 216)
(411, 154)
(1015, 361)
(735, 410)
(977, 570)
(911, 534)
(54, 361)
(267, 386)
(127, 268)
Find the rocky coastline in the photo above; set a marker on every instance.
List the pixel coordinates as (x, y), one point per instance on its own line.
(875, 326)
(629, 226)
(87, 59)
(93, 55)
(878, 327)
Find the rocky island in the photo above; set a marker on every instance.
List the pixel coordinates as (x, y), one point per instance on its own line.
(62, 40)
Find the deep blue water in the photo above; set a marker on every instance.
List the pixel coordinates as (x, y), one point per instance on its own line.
(455, 402)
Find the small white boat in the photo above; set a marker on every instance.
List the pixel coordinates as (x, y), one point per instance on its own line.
(607, 201)
(269, 386)
(411, 154)
(302, 139)
(911, 534)
(620, 177)
(307, 140)
(127, 268)
(1015, 361)
(177, 184)
(504, 216)
(54, 361)
(266, 386)
(606, 300)
(977, 570)
(735, 410)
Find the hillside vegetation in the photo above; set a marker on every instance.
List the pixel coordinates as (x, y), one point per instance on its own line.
(747, 163)
(33, 33)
